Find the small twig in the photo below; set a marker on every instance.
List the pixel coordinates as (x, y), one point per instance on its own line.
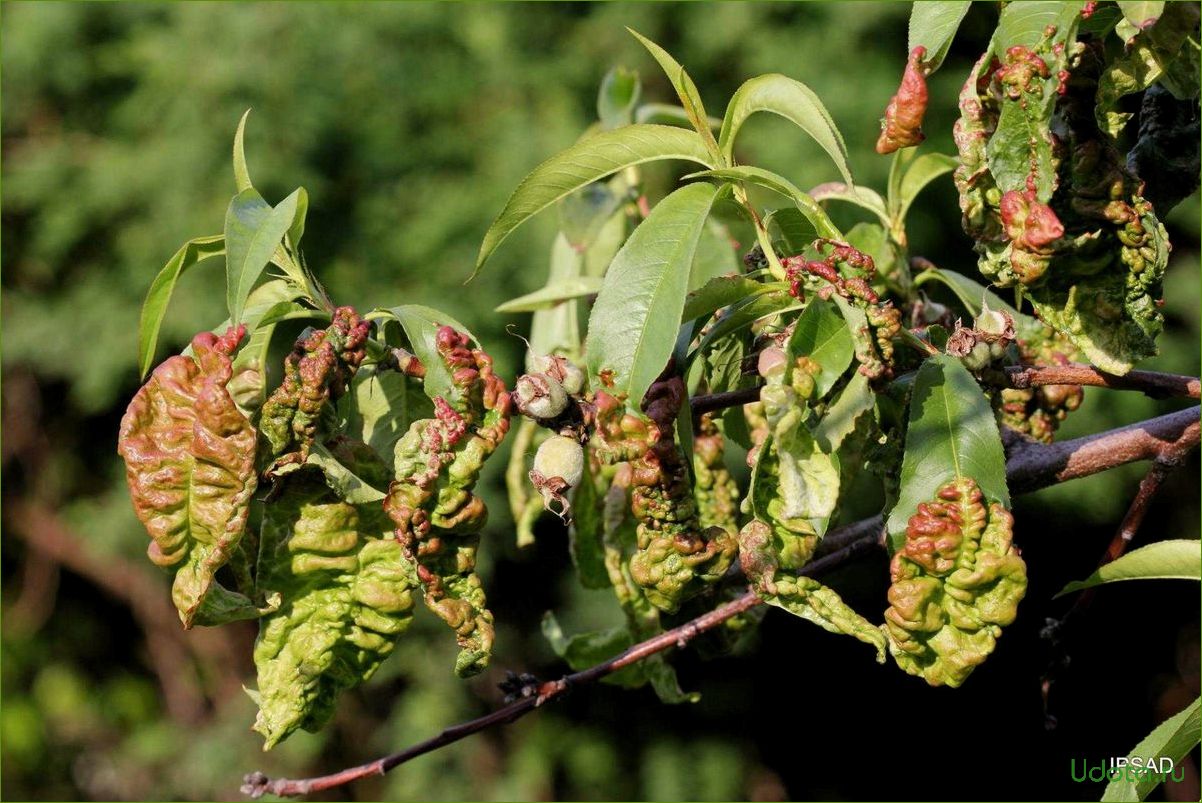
(1034, 466)
(1150, 382)
(1057, 630)
(720, 401)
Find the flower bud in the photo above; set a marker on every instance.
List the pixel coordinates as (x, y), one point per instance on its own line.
(979, 357)
(539, 396)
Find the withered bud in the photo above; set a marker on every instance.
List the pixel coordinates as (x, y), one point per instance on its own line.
(540, 397)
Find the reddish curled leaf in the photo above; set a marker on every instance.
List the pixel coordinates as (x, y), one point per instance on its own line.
(189, 461)
(319, 369)
(1031, 226)
(437, 516)
(902, 124)
(955, 583)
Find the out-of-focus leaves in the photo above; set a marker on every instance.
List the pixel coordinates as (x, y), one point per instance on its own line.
(553, 294)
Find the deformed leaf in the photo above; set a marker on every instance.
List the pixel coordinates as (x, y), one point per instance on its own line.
(347, 597)
(956, 581)
(952, 435)
(1164, 560)
(189, 460)
(853, 401)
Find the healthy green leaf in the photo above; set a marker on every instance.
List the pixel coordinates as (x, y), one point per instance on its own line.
(634, 322)
(796, 232)
(971, 293)
(862, 197)
(341, 478)
(253, 230)
(586, 649)
(933, 25)
(1164, 560)
(381, 405)
(552, 294)
(241, 174)
(421, 325)
(619, 94)
(686, 90)
(821, 334)
(722, 291)
(792, 100)
(158, 297)
(716, 255)
(952, 435)
(921, 172)
(743, 314)
(1174, 738)
(587, 161)
(807, 205)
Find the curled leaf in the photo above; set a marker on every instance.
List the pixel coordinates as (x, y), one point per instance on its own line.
(189, 461)
(902, 124)
(346, 598)
(956, 582)
(437, 517)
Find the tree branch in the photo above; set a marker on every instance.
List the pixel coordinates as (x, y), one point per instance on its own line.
(1032, 466)
(1153, 383)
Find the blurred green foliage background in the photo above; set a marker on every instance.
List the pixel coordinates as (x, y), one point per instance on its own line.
(409, 124)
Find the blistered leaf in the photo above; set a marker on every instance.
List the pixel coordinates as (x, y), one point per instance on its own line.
(347, 597)
(792, 100)
(438, 518)
(956, 581)
(189, 461)
(952, 435)
(1025, 23)
(634, 321)
(587, 161)
(901, 127)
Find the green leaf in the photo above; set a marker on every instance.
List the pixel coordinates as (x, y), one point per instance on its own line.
(862, 197)
(421, 325)
(297, 229)
(587, 649)
(1163, 560)
(952, 434)
(1174, 738)
(635, 319)
(796, 232)
(686, 90)
(241, 174)
(1024, 23)
(821, 334)
(807, 205)
(381, 405)
(1142, 14)
(619, 94)
(716, 255)
(584, 212)
(557, 330)
(342, 478)
(348, 597)
(933, 25)
(158, 297)
(552, 294)
(839, 421)
(792, 100)
(253, 230)
(921, 172)
(722, 291)
(971, 293)
(1145, 60)
(669, 114)
(587, 161)
(747, 312)
(584, 536)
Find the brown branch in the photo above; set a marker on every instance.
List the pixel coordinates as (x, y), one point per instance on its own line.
(1022, 377)
(1057, 631)
(1150, 382)
(1033, 466)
